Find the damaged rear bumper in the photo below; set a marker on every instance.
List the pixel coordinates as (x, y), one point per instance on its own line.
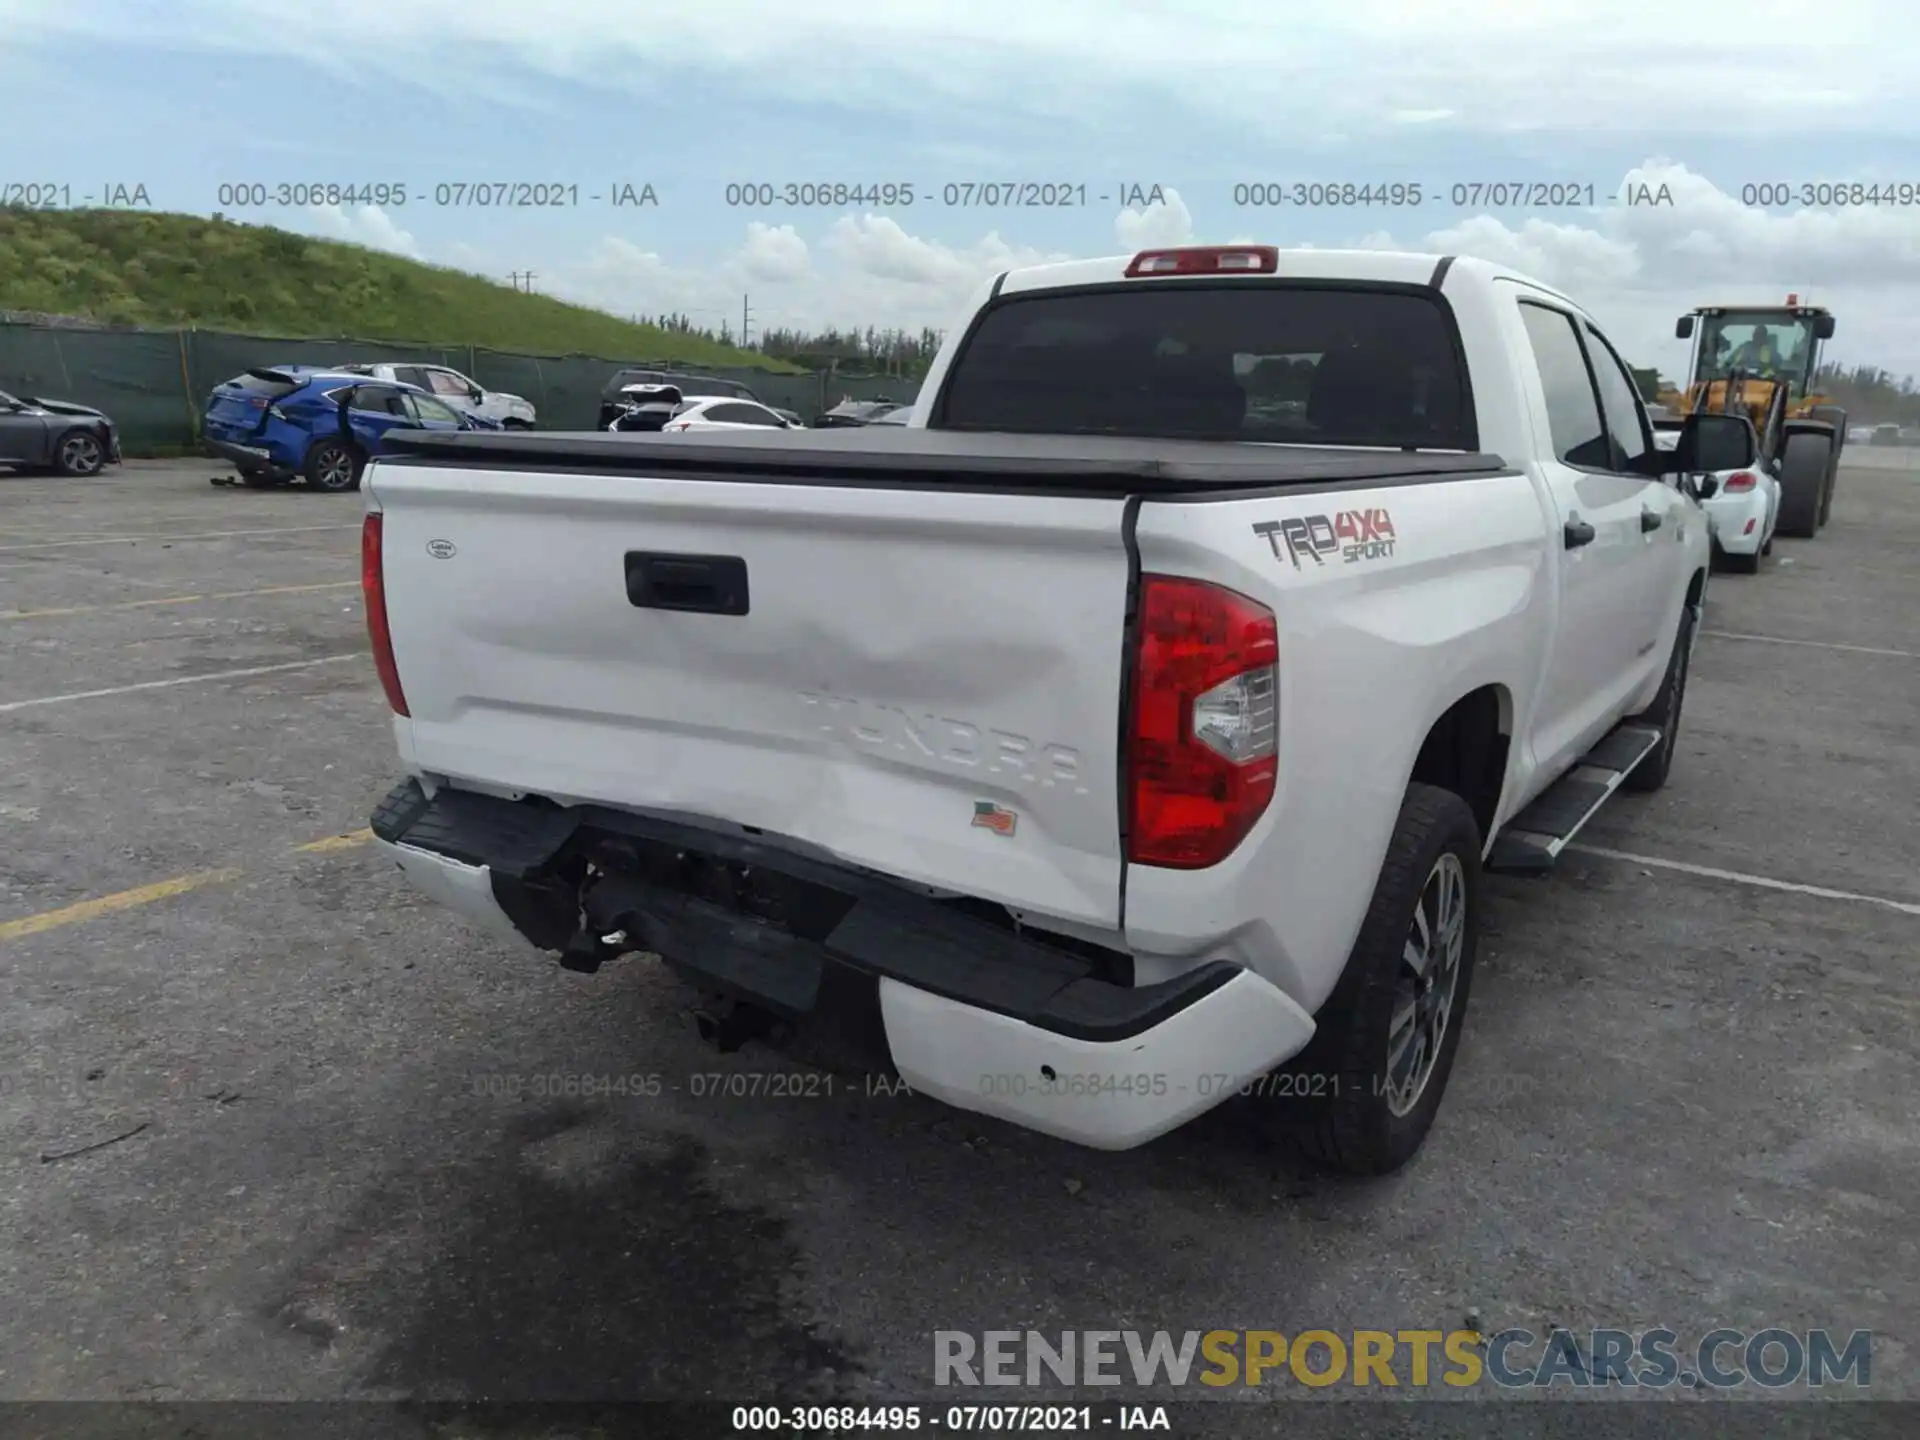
(971, 1012)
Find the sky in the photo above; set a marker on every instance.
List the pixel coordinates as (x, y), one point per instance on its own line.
(1154, 123)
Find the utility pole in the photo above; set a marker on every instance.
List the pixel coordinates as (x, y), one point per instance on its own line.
(746, 321)
(517, 276)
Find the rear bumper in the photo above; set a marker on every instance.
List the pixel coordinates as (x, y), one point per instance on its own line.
(248, 457)
(1728, 519)
(971, 1013)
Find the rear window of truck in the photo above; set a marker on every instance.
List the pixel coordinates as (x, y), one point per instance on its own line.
(1288, 363)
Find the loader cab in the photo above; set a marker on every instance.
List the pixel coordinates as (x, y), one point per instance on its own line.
(1776, 343)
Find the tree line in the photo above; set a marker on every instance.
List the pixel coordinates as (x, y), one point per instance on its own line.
(854, 351)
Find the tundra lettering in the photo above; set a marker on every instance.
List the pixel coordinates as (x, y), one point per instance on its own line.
(953, 742)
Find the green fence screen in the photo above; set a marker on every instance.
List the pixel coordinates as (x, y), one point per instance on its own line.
(155, 383)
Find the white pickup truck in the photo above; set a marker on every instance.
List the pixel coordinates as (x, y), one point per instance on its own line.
(1133, 725)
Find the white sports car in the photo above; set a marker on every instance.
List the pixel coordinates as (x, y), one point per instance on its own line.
(1742, 506)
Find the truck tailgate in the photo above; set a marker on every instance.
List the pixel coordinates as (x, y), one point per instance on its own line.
(923, 682)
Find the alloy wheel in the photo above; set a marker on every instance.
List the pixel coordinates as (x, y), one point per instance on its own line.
(1429, 977)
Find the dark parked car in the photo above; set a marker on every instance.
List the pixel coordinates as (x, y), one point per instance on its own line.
(856, 412)
(38, 434)
(279, 423)
(693, 387)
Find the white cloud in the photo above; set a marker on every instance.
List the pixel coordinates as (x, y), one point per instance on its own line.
(1636, 268)
(1165, 221)
(367, 225)
(868, 271)
(1639, 266)
(1756, 67)
(774, 255)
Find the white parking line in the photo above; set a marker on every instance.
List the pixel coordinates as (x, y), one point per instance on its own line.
(1812, 644)
(1905, 907)
(181, 680)
(172, 539)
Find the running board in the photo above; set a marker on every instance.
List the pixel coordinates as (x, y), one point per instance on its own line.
(1534, 838)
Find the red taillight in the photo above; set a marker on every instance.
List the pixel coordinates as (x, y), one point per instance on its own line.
(1206, 260)
(373, 587)
(1202, 724)
(1738, 481)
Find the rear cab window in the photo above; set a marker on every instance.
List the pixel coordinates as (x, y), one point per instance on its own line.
(1287, 362)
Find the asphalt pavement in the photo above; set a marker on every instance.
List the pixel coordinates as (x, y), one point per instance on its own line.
(272, 1127)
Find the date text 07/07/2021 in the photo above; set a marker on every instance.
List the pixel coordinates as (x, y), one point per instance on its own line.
(824, 1085)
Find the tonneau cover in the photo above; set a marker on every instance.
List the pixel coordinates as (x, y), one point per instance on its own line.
(931, 456)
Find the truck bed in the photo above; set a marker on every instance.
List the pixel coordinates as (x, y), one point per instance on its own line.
(907, 651)
(1096, 465)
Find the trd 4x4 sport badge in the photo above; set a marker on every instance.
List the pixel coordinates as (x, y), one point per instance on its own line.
(1353, 534)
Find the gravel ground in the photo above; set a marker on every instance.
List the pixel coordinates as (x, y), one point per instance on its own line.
(1684, 1099)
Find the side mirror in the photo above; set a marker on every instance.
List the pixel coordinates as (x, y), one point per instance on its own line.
(1713, 442)
(1823, 327)
(1683, 328)
(476, 394)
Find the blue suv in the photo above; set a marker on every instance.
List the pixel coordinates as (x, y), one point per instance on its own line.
(279, 423)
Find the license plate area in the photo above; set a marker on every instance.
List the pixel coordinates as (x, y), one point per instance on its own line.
(804, 909)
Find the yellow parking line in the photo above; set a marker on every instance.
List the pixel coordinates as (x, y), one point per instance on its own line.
(177, 600)
(107, 904)
(334, 842)
(160, 890)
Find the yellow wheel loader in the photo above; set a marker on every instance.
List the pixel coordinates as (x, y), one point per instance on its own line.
(1761, 361)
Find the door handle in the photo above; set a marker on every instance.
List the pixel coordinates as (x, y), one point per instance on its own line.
(703, 584)
(1578, 533)
(1650, 520)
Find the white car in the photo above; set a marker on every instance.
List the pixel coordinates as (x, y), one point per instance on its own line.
(1105, 761)
(722, 413)
(512, 412)
(1742, 505)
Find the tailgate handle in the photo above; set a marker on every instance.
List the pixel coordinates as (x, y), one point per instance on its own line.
(704, 584)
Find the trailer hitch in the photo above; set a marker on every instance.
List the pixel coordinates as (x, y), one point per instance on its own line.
(727, 1023)
(596, 939)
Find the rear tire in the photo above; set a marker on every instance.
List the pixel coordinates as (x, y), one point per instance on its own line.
(1652, 771)
(333, 466)
(1362, 1096)
(1837, 418)
(1803, 481)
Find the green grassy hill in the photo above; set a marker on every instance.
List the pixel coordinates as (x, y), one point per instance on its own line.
(139, 268)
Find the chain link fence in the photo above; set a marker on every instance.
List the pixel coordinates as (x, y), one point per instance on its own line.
(155, 383)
